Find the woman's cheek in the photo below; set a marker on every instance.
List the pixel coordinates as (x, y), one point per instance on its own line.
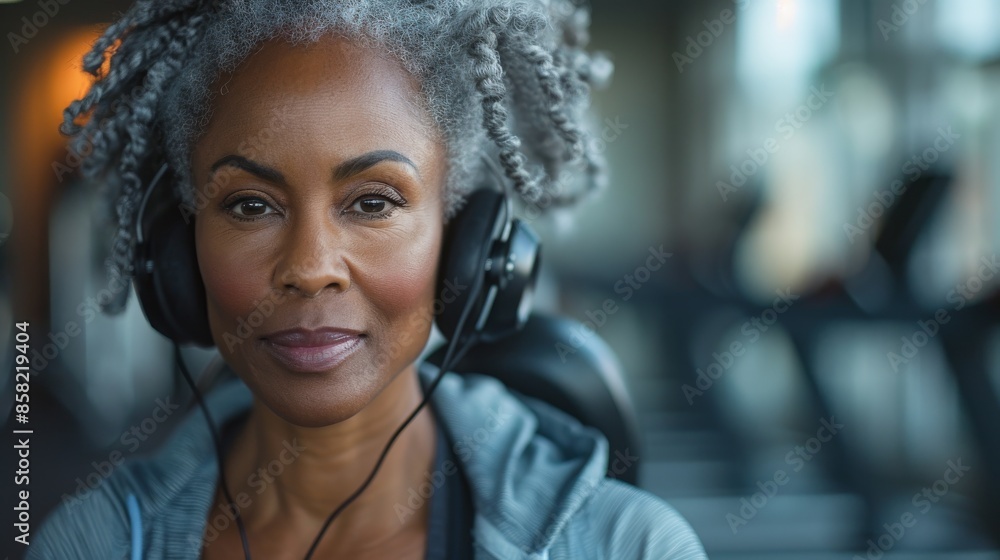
(402, 286)
(233, 283)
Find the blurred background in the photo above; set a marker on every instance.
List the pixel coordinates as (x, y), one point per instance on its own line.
(816, 364)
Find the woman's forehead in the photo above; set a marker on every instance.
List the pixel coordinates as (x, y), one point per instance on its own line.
(331, 92)
(333, 69)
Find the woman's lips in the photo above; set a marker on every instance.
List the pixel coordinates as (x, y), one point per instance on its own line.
(312, 351)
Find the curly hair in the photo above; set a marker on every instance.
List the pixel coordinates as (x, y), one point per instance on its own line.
(507, 78)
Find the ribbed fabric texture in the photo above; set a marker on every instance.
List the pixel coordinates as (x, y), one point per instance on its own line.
(536, 477)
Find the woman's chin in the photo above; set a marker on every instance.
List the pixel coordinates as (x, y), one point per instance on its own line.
(315, 400)
(310, 409)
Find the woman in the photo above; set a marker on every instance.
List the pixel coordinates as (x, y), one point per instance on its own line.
(324, 145)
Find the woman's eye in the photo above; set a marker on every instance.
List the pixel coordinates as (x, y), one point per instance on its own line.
(249, 208)
(373, 206)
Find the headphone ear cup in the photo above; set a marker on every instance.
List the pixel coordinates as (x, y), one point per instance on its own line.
(512, 276)
(168, 281)
(467, 244)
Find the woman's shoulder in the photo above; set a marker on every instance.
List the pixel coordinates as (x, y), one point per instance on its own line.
(101, 519)
(636, 524)
(90, 524)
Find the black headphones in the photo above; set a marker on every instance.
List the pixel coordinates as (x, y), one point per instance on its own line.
(483, 239)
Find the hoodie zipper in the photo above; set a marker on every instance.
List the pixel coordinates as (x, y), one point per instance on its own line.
(136, 521)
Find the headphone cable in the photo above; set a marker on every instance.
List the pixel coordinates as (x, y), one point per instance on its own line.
(218, 449)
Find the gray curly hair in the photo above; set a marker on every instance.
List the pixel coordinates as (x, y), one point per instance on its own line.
(506, 78)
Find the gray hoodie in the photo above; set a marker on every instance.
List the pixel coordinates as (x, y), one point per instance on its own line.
(537, 478)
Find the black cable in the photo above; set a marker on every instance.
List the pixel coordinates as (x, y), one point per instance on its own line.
(218, 448)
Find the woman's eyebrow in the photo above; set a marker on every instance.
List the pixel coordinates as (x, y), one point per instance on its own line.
(264, 172)
(346, 169)
(358, 164)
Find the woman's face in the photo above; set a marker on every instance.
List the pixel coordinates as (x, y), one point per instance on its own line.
(322, 180)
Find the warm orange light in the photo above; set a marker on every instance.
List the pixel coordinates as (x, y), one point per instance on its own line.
(57, 79)
(66, 80)
(43, 86)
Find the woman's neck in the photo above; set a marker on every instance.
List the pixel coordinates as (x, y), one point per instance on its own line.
(299, 476)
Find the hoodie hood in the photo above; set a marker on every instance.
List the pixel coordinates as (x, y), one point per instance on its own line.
(530, 466)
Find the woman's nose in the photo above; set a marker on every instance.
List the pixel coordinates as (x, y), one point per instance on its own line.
(313, 259)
